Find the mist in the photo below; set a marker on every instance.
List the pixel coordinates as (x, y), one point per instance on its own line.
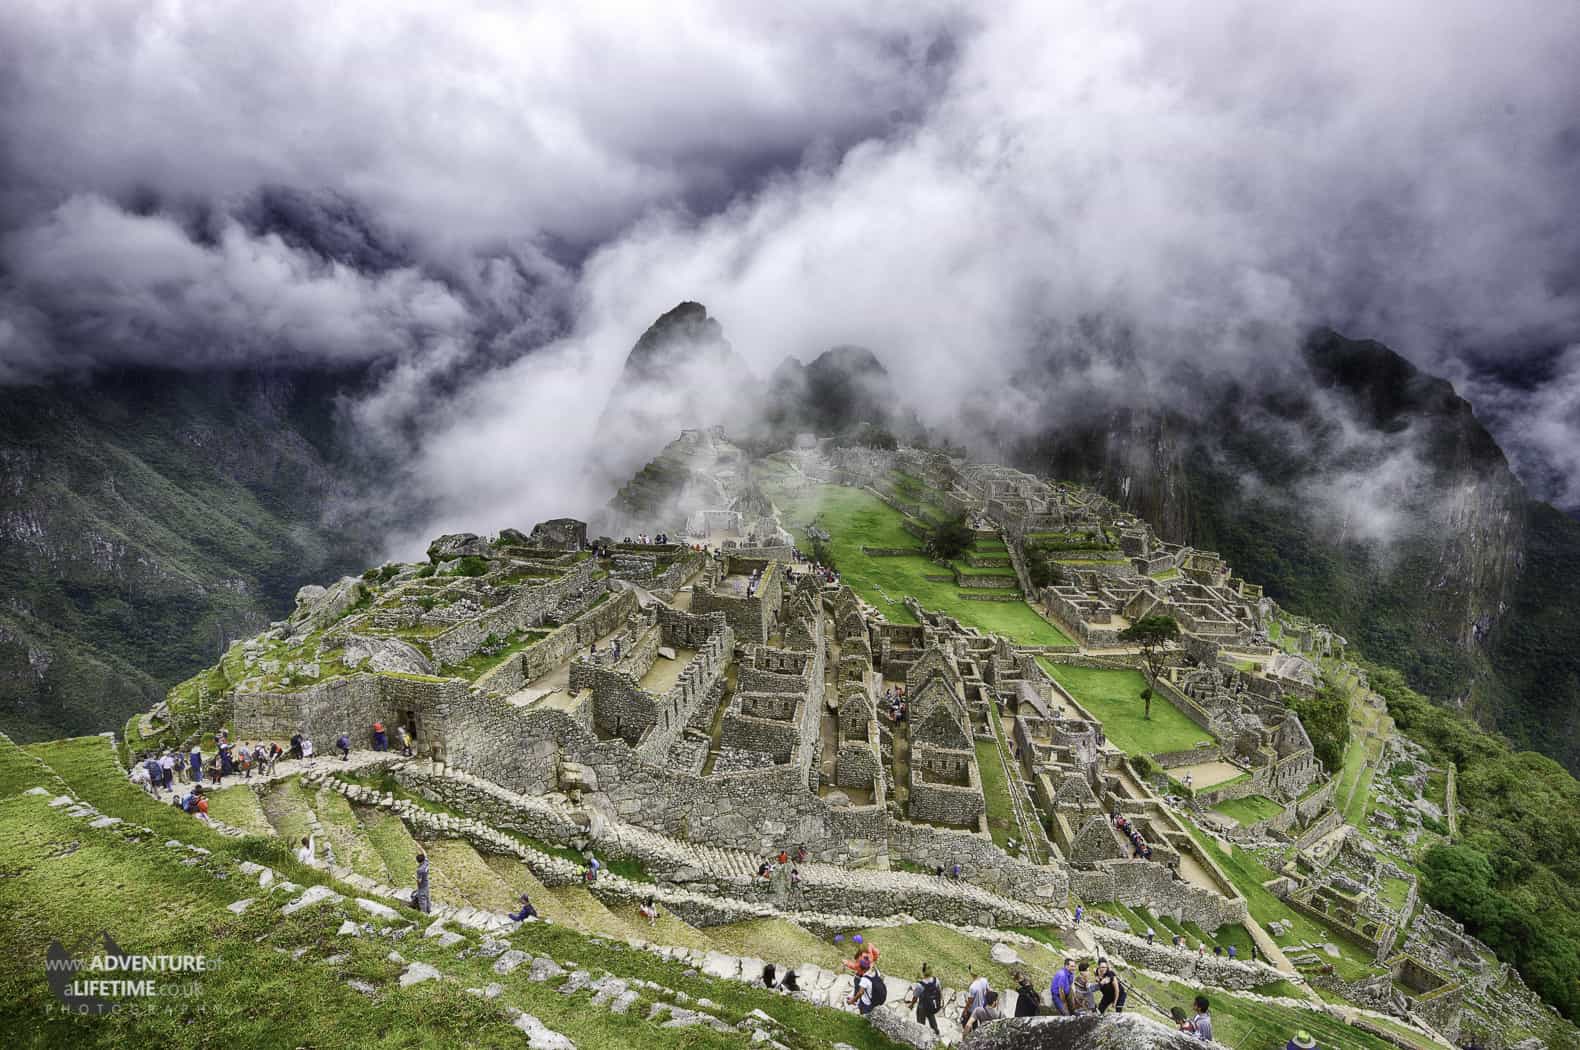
(514, 196)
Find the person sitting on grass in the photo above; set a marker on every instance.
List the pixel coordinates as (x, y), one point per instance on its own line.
(527, 911)
(649, 911)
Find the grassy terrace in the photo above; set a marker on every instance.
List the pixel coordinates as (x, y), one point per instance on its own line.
(1248, 874)
(995, 789)
(1114, 698)
(1249, 810)
(856, 519)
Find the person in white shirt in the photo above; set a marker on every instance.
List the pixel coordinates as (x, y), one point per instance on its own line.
(305, 853)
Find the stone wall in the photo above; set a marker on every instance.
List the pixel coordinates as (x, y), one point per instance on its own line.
(515, 671)
(980, 862)
(1241, 975)
(529, 607)
(351, 704)
(945, 787)
(1152, 886)
(756, 618)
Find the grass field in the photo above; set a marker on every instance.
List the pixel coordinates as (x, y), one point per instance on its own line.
(1249, 810)
(855, 519)
(1114, 698)
(995, 789)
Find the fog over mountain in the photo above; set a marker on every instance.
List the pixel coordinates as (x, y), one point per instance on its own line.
(487, 205)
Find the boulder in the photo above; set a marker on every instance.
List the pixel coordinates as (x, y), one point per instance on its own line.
(314, 895)
(540, 1036)
(561, 533)
(385, 654)
(1003, 954)
(457, 545)
(317, 607)
(892, 1020)
(417, 973)
(1088, 1032)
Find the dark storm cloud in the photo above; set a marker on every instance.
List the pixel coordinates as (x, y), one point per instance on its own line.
(943, 182)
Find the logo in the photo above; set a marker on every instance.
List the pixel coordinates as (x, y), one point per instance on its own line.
(102, 983)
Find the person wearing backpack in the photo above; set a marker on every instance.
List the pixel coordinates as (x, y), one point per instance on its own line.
(344, 744)
(869, 992)
(927, 995)
(985, 1013)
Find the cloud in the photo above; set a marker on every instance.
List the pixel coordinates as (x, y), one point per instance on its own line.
(964, 189)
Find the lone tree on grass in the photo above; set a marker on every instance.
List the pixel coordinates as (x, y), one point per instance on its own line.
(1152, 635)
(951, 539)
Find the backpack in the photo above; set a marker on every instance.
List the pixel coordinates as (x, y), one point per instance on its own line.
(880, 991)
(932, 996)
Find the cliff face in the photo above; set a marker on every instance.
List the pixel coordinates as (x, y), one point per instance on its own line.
(149, 517)
(1365, 493)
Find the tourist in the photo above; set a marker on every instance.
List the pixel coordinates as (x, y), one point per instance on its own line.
(1151, 934)
(307, 750)
(305, 852)
(789, 982)
(1060, 989)
(405, 740)
(927, 995)
(795, 880)
(226, 762)
(276, 752)
(938, 872)
(1217, 950)
(244, 759)
(784, 856)
(264, 758)
(1232, 952)
(155, 775)
(216, 772)
(976, 995)
(139, 776)
(861, 994)
(1111, 991)
(769, 976)
(196, 762)
(649, 911)
(1083, 992)
(765, 870)
(591, 874)
(985, 1013)
(1179, 941)
(800, 854)
(527, 910)
(201, 811)
(381, 739)
(615, 645)
(1080, 910)
(296, 745)
(343, 742)
(1026, 998)
(955, 872)
(1302, 1041)
(420, 899)
(167, 771)
(1200, 1025)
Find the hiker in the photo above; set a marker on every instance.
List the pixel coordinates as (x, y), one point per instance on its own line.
(527, 911)
(1026, 998)
(420, 899)
(296, 745)
(864, 996)
(800, 854)
(344, 744)
(226, 763)
(195, 761)
(216, 772)
(1080, 910)
(155, 774)
(306, 851)
(1060, 988)
(769, 976)
(307, 751)
(244, 759)
(649, 911)
(789, 982)
(405, 740)
(1200, 1025)
(954, 872)
(795, 880)
(784, 857)
(1217, 950)
(167, 771)
(1111, 991)
(260, 758)
(1083, 991)
(976, 995)
(1233, 953)
(985, 1013)
(381, 740)
(275, 752)
(927, 995)
(591, 874)
(1151, 934)
(1302, 1041)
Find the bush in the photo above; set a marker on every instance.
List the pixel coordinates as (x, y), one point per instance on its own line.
(471, 565)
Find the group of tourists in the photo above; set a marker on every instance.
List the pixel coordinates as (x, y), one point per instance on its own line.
(613, 650)
(645, 540)
(784, 861)
(1082, 989)
(895, 700)
(1129, 830)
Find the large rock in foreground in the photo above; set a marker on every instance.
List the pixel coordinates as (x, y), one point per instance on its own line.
(1108, 1032)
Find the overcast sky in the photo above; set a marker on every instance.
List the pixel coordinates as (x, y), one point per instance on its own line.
(443, 188)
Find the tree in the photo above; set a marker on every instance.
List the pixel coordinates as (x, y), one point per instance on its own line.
(1152, 635)
(951, 539)
(1326, 717)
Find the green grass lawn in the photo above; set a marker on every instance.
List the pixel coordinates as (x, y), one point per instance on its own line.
(1114, 698)
(995, 789)
(856, 519)
(1249, 1025)
(1249, 810)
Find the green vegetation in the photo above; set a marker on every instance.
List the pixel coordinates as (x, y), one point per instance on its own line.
(1249, 810)
(1250, 1025)
(1514, 879)
(1326, 717)
(493, 652)
(950, 539)
(995, 789)
(1114, 698)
